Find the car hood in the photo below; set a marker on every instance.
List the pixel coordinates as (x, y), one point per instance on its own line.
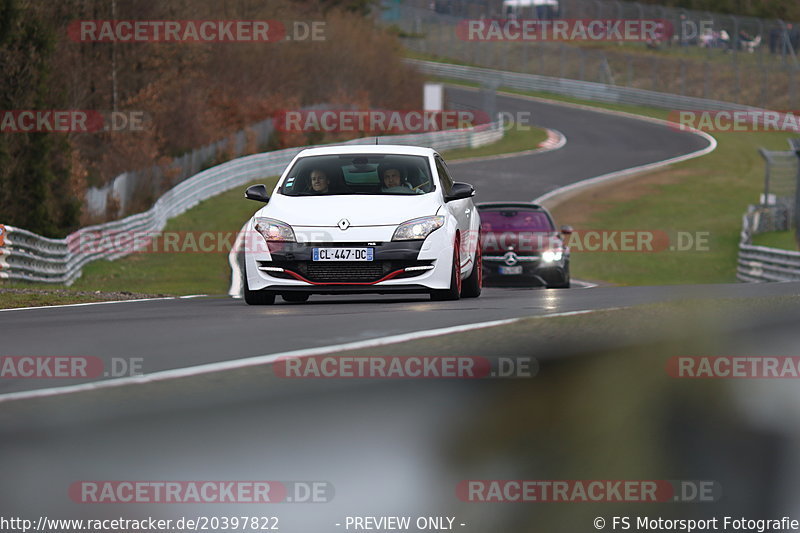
(359, 210)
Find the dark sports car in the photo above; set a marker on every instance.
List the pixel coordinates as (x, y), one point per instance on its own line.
(520, 242)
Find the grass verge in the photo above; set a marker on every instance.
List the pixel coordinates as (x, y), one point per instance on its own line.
(777, 239)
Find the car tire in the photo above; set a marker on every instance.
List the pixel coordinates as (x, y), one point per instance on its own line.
(454, 292)
(295, 297)
(257, 297)
(561, 284)
(471, 288)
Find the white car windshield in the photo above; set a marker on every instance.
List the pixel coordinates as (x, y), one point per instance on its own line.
(373, 174)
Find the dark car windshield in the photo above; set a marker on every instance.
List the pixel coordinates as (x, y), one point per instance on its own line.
(515, 219)
(375, 174)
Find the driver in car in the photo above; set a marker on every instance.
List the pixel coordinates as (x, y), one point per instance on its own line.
(393, 182)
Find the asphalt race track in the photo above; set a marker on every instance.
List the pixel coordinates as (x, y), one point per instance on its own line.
(170, 334)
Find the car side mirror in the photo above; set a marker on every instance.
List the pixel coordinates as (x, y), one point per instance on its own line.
(460, 191)
(257, 193)
(567, 230)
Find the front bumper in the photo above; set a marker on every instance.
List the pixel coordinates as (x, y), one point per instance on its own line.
(531, 268)
(392, 260)
(401, 266)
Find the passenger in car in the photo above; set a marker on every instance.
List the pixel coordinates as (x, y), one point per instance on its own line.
(319, 181)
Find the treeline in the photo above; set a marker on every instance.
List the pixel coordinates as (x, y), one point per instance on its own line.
(190, 94)
(788, 10)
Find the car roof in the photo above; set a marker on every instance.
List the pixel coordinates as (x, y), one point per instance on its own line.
(342, 149)
(517, 205)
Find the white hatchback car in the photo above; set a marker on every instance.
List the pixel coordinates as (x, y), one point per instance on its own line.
(363, 218)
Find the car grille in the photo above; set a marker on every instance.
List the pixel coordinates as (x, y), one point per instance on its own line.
(520, 258)
(344, 272)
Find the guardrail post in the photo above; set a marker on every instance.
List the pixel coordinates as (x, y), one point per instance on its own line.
(763, 153)
(489, 93)
(795, 143)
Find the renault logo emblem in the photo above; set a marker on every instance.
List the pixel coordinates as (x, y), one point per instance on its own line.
(343, 224)
(510, 258)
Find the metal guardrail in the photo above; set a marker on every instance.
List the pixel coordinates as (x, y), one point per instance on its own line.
(585, 90)
(761, 263)
(30, 257)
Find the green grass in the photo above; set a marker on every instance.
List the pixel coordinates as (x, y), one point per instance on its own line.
(707, 194)
(198, 273)
(785, 240)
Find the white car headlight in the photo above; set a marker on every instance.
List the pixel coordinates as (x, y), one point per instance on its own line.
(418, 228)
(274, 230)
(551, 256)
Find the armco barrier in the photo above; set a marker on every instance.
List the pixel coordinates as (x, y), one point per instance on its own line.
(762, 263)
(30, 257)
(585, 90)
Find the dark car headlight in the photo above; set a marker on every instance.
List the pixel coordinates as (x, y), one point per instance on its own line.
(552, 256)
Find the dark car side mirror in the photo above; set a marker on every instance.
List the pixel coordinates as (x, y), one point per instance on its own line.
(567, 230)
(257, 193)
(460, 191)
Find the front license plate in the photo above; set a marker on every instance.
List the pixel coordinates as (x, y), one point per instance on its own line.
(343, 254)
(510, 270)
